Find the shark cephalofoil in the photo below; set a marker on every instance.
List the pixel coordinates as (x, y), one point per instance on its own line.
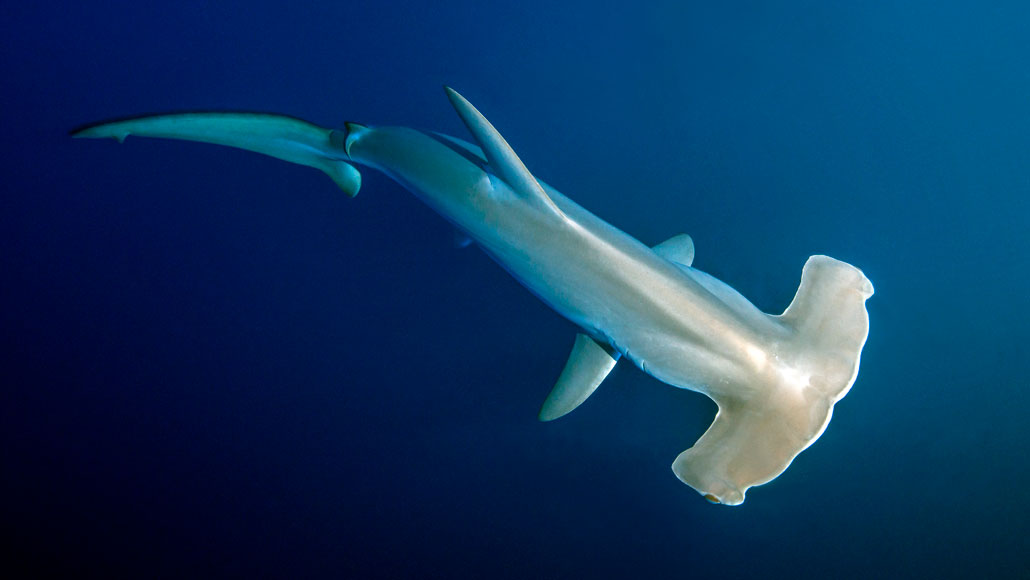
(775, 378)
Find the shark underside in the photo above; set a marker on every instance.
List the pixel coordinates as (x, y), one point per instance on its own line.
(775, 378)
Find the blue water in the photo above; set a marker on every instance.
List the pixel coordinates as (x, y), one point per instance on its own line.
(215, 364)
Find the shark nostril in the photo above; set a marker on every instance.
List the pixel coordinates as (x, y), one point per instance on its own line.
(712, 498)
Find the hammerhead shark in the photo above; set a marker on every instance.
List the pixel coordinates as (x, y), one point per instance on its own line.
(775, 378)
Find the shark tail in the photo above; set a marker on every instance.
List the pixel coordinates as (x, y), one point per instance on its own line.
(278, 136)
(753, 440)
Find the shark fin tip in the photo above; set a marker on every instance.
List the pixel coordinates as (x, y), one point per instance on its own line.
(98, 132)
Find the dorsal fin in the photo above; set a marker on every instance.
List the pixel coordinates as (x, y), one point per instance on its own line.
(679, 249)
(503, 160)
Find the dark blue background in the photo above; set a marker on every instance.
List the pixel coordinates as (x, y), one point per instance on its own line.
(215, 364)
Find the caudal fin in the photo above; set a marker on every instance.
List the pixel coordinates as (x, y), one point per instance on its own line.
(279, 136)
(754, 439)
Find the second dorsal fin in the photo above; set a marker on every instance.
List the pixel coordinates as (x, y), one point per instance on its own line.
(502, 159)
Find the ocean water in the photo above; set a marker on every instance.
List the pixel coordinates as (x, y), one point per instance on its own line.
(217, 365)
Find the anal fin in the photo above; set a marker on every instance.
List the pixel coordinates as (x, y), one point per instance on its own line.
(588, 365)
(343, 174)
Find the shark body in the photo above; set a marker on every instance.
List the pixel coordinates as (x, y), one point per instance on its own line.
(775, 378)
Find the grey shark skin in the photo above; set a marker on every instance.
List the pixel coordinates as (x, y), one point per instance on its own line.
(774, 378)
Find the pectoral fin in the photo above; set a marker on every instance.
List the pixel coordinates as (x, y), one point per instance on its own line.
(503, 160)
(588, 365)
(679, 249)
